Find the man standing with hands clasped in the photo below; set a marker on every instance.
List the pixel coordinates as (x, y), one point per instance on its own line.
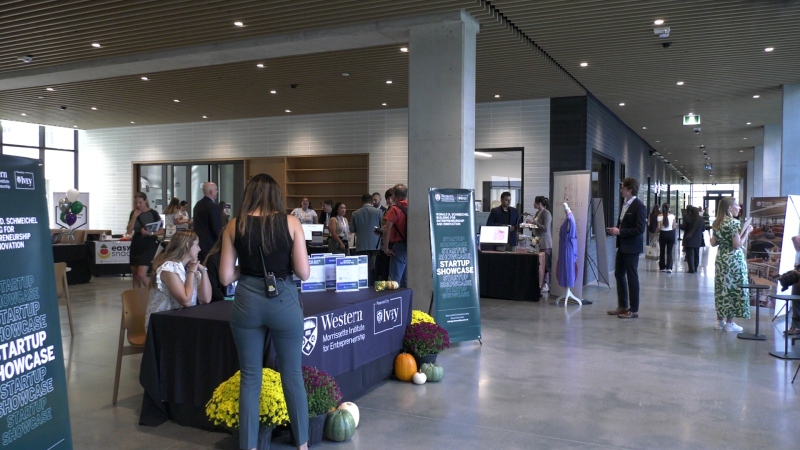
(207, 219)
(630, 241)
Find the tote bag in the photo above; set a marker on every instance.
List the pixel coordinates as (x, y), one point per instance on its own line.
(652, 250)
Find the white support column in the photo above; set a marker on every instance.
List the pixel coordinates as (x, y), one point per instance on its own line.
(771, 175)
(441, 130)
(790, 141)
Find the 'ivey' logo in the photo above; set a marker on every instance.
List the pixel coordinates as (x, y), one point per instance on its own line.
(309, 335)
(387, 314)
(24, 180)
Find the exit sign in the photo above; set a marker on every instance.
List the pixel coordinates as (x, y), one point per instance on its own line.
(691, 119)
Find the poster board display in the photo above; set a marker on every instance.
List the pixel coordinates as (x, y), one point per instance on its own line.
(456, 302)
(34, 412)
(347, 274)
(572, 188)
(316, 277)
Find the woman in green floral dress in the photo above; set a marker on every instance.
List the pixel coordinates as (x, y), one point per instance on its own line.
(731, 267)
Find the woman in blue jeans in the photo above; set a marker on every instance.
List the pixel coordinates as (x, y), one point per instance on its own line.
(266, 240)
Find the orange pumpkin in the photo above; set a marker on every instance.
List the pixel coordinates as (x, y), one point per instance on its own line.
(405, 366)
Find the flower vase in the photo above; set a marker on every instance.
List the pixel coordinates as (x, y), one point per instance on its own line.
(264, 437)
(429, 358)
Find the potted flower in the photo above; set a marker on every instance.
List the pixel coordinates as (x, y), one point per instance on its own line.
(323, 396)
(424, 340)
(418, 316)
(223, 408)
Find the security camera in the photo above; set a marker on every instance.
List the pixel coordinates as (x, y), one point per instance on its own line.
(666, 44)
(63, 108)
(697, 130)
(294, 86)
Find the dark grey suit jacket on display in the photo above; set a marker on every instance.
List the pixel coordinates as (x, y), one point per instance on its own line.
(632, 227)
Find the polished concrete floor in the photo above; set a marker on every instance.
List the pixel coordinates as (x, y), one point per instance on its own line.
(545, 377)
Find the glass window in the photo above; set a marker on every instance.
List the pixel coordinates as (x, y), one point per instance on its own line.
(32, 153)
(603, 186)
(59, 170)
(63, 138)
(19, 133)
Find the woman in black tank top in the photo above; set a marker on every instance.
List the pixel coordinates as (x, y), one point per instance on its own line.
(265, 239)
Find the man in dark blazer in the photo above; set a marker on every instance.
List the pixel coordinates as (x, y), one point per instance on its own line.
(207, 219)
(630, 242)
(505, 214)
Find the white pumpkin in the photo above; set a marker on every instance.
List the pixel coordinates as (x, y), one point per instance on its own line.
(419, 378)
(352, 409)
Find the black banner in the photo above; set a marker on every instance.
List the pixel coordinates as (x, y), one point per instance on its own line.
(34, 413)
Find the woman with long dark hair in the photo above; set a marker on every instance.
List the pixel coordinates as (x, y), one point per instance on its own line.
(692, 226)
(179, 280)
(144, 242)
(544, 222)
(730, 268)
(340, 230)
(666, 238)
(269, 245)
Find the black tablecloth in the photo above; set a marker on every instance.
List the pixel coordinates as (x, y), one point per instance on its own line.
(190, 351)
(509, 276)
(78, 259)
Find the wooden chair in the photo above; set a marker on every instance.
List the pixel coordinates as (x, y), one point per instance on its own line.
(134, 307)
(62, 290)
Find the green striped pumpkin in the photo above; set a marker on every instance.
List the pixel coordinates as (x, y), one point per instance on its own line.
(340, 426)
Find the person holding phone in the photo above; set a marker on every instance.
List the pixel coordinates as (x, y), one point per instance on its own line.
(730, 268)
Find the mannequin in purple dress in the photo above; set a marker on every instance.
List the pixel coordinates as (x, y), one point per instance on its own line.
(567, 250)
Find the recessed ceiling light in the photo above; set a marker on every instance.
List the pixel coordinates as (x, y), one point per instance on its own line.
(496, 95)
(383, 104)
(748, 123)
(680, 83)
(659, 22)
(288, 110)
(50, 89)
(584, 64)
(273, 92)
(24, 114)
(94, 108)
(622, 104)
(238, 24)
(74, 126)
(176, 101)
(260, 66)
(133, 122)
(741, 151)
(658, 141)
(644, 128)
(744, 139)
(40, 97)
(388, 81)
(96, 44)
(756, 96)
(404, 49)
(345, 74)
(205, 117)
(769, 49)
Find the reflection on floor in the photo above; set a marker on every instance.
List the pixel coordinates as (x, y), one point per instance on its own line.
(545, 377)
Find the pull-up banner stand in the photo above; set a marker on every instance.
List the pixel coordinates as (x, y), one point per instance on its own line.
(454, 256)
(33, 394)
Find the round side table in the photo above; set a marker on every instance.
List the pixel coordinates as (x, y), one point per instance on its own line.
(758, 288)
(786, 353)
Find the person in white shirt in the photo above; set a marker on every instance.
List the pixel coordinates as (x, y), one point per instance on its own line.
(305, 214)
(666, 238)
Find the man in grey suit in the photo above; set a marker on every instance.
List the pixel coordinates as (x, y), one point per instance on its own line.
(363, 223)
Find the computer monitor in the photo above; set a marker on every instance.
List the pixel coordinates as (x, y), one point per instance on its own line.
(309, 230)
(494, 235)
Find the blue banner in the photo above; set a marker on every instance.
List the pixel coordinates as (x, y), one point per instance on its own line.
(33, 394)
(456, 301)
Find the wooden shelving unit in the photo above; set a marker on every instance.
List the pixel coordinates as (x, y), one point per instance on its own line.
(337, 177)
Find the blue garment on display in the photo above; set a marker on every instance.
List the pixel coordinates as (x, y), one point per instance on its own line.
(567, 251)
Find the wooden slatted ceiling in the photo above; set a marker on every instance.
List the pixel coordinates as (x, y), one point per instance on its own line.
(717, 50)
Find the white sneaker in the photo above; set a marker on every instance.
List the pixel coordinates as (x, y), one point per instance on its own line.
(719, 325)
(730, 326)
(669, 270)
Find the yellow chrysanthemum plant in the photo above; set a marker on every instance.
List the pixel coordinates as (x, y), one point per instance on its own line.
(418, 316)
(223, 408)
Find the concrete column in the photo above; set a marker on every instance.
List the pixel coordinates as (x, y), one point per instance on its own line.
(758, 171)
(771, 175)
(790, 142)
(750, 183)
(441, 130)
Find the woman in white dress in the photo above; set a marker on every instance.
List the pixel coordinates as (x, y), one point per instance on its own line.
(178, 280)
